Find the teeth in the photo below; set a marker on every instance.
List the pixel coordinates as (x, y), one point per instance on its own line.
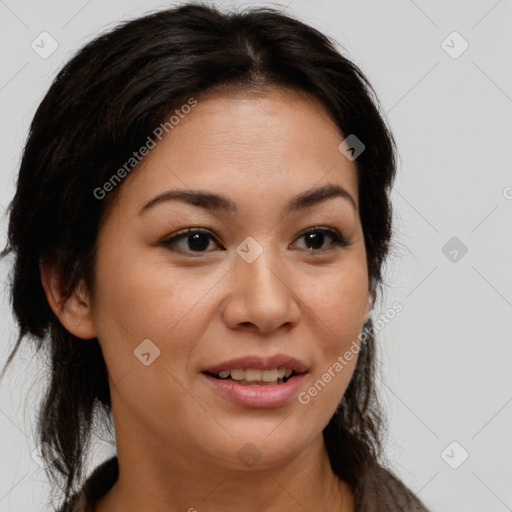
(253, 374)
(237, 374)
(269, 375)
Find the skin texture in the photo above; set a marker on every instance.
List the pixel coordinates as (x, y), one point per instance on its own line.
(177, 438)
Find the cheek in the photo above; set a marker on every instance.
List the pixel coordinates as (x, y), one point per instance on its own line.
(338, 301)
(137, 300)
(137, 303)
(337, 306)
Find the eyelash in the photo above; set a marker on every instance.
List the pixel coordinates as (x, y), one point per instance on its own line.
(337, 238)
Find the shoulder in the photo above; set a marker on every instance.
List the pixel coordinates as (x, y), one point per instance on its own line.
(380, 490)
(97, 484)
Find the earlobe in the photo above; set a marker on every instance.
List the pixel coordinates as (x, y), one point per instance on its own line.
(371, 297)
(74, 312)
(371, 303)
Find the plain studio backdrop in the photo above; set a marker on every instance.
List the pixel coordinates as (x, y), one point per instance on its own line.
(442, 72)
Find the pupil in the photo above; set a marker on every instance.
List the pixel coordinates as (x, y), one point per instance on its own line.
(195, 243)
(315, 238)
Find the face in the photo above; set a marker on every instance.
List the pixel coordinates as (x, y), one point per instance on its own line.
(259, 275)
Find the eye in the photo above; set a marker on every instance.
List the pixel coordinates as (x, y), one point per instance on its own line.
(198, 240)
(315, 238)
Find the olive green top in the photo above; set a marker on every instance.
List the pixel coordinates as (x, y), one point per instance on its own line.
(379, 491)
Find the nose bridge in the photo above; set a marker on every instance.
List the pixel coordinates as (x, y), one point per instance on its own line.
(262, 287)
(258, 266)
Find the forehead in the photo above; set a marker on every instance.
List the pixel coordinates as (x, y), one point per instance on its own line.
(265, 145)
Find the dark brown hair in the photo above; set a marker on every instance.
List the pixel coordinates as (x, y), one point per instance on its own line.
(105, 103)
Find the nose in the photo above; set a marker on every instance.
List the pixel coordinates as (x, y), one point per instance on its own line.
(262, 297)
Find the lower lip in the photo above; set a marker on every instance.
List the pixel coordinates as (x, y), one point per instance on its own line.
(258, 396)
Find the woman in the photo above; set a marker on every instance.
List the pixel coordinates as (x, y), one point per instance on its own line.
(225, 366)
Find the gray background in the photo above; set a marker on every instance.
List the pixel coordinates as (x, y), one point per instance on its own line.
(446, 357)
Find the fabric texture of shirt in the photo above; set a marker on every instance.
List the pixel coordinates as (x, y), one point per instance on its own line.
(379, 491)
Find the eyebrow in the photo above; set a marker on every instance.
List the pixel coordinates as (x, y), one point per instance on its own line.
(215, 202)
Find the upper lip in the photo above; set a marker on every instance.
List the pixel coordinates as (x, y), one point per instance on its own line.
(260, 363)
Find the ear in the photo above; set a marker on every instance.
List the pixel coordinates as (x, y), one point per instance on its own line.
(74, 313)
(371, 303)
